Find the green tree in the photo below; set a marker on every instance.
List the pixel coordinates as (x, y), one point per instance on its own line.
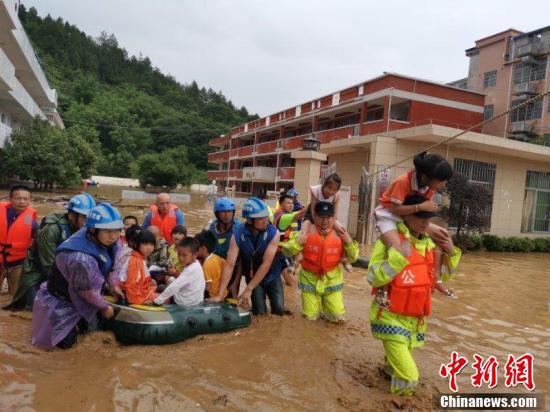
(131, 107)
(470, 203)
(168, 168)
(48, 155)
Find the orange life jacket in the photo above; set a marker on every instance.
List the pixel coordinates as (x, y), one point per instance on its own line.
(411, 290)
(321, 254)
(15, 241)
(166, 223)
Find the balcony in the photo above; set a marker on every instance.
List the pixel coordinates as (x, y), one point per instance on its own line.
(533, 49)
(525, 89)
(26, 106)
(292, 143)
(245, 151)
(8, 14)
(218, 157)
(328, 136)
(235, 174)
(7, 73)
(219, 141)
(268, 147)
(5, 133)
(217, 174)
(285, 173)
(524, 130)
(20, 52)
(259, 174)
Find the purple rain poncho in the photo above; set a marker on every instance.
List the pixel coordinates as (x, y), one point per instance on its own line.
(54, 317)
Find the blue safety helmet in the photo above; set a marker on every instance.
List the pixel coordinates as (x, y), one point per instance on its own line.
(224, 204)
(254, 208)
(104, 216)
(292, 192)
(81, 204)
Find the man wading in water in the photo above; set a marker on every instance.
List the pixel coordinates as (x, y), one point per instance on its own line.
(54, 230)
(257, 243)
(223, 227)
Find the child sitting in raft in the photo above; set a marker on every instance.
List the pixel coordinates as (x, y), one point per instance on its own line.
(329, 192)
(409, 278)
(430, 173)
(128, 222)
(135, 280)
(212, 265)
(158, 260)
(174, 265)
(188, 288)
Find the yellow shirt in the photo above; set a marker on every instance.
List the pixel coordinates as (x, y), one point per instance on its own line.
(213, 268)
(173, 256)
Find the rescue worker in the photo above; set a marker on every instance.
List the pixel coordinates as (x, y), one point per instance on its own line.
(165, 216)
(286, 221)
(256, 241)
(17, 228)
(67, 303)
(321, 279)
(297, 204)
(402, 326)
(54, 230)
(223, 226)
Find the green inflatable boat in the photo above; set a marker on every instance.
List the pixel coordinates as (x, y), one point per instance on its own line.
(162, 325)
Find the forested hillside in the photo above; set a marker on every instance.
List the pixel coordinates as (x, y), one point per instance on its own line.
(123, 105)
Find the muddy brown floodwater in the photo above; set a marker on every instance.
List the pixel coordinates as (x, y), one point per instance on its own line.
(286, 363)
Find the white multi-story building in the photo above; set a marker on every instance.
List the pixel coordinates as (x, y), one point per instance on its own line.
(24, 89)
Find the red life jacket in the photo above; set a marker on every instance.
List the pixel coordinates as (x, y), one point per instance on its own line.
(410, 292)
(166, 223)
(15, 241)
(321, 254)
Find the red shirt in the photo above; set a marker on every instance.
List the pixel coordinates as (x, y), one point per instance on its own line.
(403, 186)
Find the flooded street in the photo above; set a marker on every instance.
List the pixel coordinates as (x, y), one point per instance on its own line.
(286, 363)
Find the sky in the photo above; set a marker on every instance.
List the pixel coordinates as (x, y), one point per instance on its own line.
(270, 55)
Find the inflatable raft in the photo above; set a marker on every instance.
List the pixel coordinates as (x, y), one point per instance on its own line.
(161, 325)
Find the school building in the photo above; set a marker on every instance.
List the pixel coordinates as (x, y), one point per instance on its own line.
(367, 127)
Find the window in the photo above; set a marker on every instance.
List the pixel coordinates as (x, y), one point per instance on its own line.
(481, 173)
(524, 72)
(521, 73)
(529, 111)
(375, 114)
(538, 71)
(488, 111)
(536, 203)
(490, 79)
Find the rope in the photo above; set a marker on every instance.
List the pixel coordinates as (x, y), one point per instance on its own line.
(448, 139)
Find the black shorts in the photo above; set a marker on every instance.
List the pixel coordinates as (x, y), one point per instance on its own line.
(308, 215)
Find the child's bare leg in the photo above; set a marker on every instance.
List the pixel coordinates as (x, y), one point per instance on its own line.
(391, 240)
(438, 262)
(306, 225)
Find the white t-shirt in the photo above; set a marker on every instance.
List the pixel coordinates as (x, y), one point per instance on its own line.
(317, 191)
(187, 289)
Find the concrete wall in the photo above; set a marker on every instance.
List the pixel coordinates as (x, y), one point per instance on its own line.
(348, 167)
